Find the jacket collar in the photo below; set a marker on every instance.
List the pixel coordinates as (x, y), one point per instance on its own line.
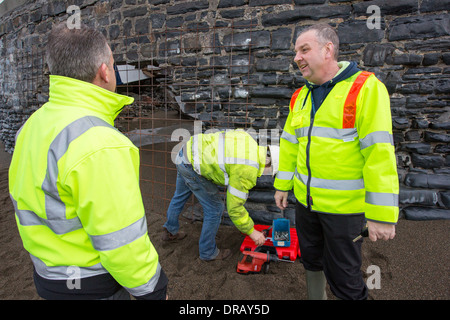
(70, 92)
(346, 70)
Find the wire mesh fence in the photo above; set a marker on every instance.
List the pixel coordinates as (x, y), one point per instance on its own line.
(184, 81)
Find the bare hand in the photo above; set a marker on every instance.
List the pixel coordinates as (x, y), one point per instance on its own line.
(380, 231)
(281, 199)
(258, 237)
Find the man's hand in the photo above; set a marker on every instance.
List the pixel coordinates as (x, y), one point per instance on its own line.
(380, 231)
(281, 199)
(258, 237)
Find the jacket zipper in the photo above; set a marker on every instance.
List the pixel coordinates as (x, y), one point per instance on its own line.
(309, 200)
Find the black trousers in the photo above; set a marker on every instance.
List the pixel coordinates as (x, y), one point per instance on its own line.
(326, 243)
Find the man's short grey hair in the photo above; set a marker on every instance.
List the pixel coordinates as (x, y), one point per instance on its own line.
(76, 53)
(325, 33)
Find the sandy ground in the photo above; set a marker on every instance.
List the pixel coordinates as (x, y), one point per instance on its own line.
(414, 266)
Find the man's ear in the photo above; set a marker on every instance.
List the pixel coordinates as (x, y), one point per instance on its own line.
(329, 47)
(103, 73)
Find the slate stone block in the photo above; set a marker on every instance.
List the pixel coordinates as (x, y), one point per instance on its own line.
(186, 7)
(260, 3)
(312, 12)
(231, 3)
(421, 148)
(406, 59)
(444, 198)
(375, 54)
(442, 86)
(434, 5)
(442, 148)
(436, 137)
(114, 32)
(431, 58)
(232, 14)
(400, 123)
(387, 7)
(431, 181)
(272, 92)
(418, 196)
(426, 26)
(243, 40)
(420, 123)
(135, 12)
(427, 161)
(423, 213)
(440, 125)
(356, 31)
(274, 64)
(281, 39)
(157, 20)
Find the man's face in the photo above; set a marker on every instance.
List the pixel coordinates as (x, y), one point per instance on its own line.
(310, 56)
(111, 86)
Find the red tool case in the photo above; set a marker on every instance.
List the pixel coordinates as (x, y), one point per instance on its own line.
(290, 252)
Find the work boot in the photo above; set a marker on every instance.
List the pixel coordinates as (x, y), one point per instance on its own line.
(223, 254)
(167, 236)
(315, 285)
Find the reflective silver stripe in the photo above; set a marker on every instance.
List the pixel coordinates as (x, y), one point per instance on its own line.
(221, 157)
(237, 193)
(343, 134)
(247, 162)
(382, 199)
(289, 137)
(30, 218)
(195, 155)
(148, 287)
(27, 217)
(65, 272)
(332, 184)
(376, 137)
(285, 175)
(55, 209)
(117, 239)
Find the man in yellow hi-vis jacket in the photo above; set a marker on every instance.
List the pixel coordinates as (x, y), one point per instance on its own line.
(229, 158)
(74, 182)
(337, 152)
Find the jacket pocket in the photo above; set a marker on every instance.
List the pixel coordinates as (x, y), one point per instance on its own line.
(299, 118)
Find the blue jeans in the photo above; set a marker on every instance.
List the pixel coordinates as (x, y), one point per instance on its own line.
(207, 193)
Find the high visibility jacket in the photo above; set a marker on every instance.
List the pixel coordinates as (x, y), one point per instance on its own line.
(74, 183)
(233, 159)
(341, 159)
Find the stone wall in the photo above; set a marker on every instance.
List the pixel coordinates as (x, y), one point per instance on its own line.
(231, 61)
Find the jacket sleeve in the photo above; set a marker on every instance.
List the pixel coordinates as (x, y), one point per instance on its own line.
(374, 125)
(284, 180)
(106, 194)
(237, 194)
